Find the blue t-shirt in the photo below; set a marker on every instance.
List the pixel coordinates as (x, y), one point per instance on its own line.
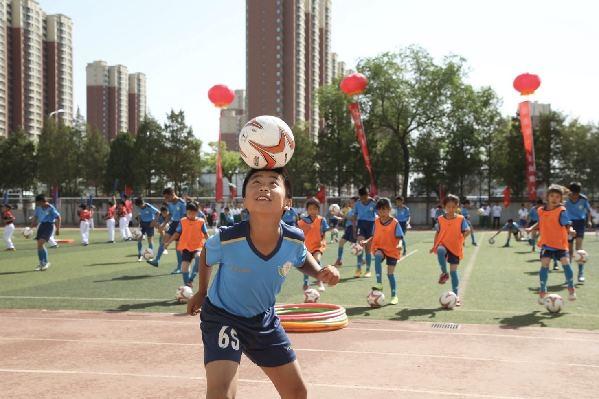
(147, 213)
(247, 282)
(398, 230)
(46, 215)
(464, 225)
(511, 227)
(578, 210)
(177, 209)
(402, 214)
(324, 226)
(180, 228)
(365, 211)
(349, 218)
(465, 212)
(439, 212)
(533, 214)
(290, 217)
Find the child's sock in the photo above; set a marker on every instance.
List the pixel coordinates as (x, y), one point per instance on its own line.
(160, 251)
(455, 281)
(368, 260)
(569, 275)
(472, 237)
(40, 255)
(543, 275)
(139, 246)
(306, 280)
(404, 245)
(378, 268)
(151, 245)
(580, 269)
(179, 259)
(392, 284)
(360, 261)
(442, 258)
(45, 255)
(194, 270)
(339, 253)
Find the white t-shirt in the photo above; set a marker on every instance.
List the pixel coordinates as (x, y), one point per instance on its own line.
(496, 211)
(486, 211)
(523, 213)
(433, 212)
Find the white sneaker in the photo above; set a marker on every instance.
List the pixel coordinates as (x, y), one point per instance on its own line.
(140, 259)
(165, 252)
(581, 279)
(321, 286)
(46, 266)
(572, 296)
(38, 268)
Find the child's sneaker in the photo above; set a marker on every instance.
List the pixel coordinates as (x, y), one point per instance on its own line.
(443, 278)
(38, 268)
(571, 294)
(378, 287)
(555, 266)
(394, 300)
(47, 265)
(581, 278)
(321, 286)
(458, 302)
(140, 259)
(541, 299)
(305, 288)
(358, 273)
(165, 252)
(368, 274)
(338, 263)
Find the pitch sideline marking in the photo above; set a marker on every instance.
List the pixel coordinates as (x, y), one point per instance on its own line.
(470, 267)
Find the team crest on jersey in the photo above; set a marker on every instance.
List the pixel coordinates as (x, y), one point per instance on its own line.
(283, 270)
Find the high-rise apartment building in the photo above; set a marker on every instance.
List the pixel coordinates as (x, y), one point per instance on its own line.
(232, 120)
(288, 58)
(110, 88)
(36, 66)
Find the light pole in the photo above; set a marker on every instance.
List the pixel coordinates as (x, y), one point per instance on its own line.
(58, 111)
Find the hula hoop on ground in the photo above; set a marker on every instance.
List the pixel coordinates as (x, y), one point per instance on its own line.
(312, 317)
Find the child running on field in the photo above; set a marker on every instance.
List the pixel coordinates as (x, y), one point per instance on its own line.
(48, 218)
(452, 230)
(348, 234)
(314, 227)
(512, 228)
(160, 222)
(147, 214)
(385, 246)
(84, 217)
(110, 222)
(8, 219)
(237, 313)
(554, 229)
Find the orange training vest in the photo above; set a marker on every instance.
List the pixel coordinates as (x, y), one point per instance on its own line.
(384, 238)
(552, 233)
(312, 235)
(450, 235)
(192, 237)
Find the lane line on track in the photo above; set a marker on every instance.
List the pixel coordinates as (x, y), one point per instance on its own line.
(469, 267)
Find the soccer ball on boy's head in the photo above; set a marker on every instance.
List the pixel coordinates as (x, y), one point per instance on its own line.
(266, 142)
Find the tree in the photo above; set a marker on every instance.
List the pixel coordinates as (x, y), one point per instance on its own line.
(408, 92)
(302, 167)
(510, 158)
(548, 139)
(149, 154)
(94, 158)
(19, 164)
(427, 163)
(183, 151)
(120, 169)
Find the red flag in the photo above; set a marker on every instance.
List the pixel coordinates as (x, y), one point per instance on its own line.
(128, 190)
(507, 192)
(321, 194)
(219, 173)
(354, 110)
(232, 190)
(529, 149)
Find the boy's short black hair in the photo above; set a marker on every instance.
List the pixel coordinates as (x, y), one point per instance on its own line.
(399, 198)
(227, 208)
(125, 196)
(40, 198)
(280, 171)
(83, 206)
(354, 198)
(575, 187)
(540, 201)
(139, 201)
(168, 191)
(191, 206)
(163, 208)
(313, 202)
(363, 191)
(466, 202)
(7, 206)
(110, 203)
(451, 198)
(510, 221)
(383, 202)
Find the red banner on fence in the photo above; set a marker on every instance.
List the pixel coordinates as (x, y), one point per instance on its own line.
(529, 149)
(507, 200)
(354, 110)
(219, 173)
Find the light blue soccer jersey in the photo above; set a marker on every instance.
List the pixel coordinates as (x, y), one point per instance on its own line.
(177, 209)
(402, 214)
(534, 214)
(365, 211)
(578, 210)
(290, 217)
(513, 227)
(465, 212)
(148, 213)
(349, 218)
(46, 215)
(247, 282)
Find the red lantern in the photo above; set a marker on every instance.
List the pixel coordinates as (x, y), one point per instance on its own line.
(527, 83)
(353, 84)
(221, 96)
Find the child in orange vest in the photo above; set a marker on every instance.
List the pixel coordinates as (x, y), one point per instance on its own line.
(452, 230)
(314, 227)
(191, 235)
(385, 246)
(554, 229)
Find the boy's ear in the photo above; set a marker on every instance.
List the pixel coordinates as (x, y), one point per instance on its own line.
(287, 204)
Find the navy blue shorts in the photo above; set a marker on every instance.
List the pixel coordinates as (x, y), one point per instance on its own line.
(44, 231)
(556, 254)
(188, 256)
(390, 261)
(404, 227)
(261, 338)
(147, 228)
(365, 228)
(532, 222)
(579, 226)
(172, 227)
(348, 234)
(452, 258)
(334, 222)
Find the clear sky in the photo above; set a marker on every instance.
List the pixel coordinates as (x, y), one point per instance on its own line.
(186, 46)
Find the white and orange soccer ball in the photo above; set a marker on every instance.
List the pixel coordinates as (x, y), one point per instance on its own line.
(184, 293)
(581, 256)
(376, 299)
(266, 142)
(553, 303)
(27, 232)
(148, 254)
(448, 300)
(334, 209)
(311, 295)
(357, 249)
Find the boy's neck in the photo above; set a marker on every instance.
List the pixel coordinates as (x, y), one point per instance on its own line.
(264, 228)
(385, 219)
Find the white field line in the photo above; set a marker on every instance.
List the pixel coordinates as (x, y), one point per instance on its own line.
(469, 267)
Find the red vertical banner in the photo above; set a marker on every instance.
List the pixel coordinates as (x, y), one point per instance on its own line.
(354, 110)
(507, 199)
(529, 149)
(219, 172)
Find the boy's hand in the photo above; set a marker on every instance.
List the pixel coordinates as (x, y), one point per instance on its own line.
(572, 232)
(195, 303)
(57, 231)
(328, 274)
(432, 250)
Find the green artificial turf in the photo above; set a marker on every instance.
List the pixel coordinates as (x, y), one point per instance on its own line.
(501, 288)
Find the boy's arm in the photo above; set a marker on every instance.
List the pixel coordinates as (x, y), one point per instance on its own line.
(328, 274)
(434, 241)
(196, 301)
(57, 224)
(171, 239)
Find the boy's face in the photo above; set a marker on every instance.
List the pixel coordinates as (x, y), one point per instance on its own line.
(164, 213)
(451, 207)
(191, 214)
(384, 212)
(364, 197)
(168, 197)
(574, 195)
(399, 202)
(554, 199)
(313, 210)
(265, 193)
